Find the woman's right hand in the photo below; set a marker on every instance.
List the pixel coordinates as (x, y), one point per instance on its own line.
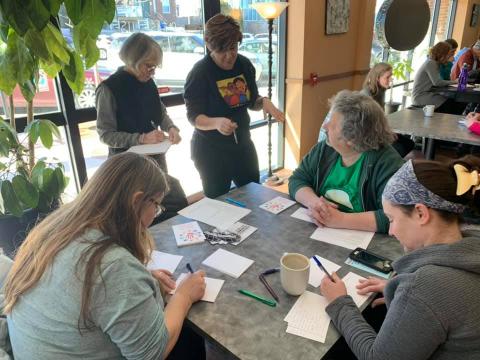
(370, 285)
(153, 137)
(193, 286)
(225, 126)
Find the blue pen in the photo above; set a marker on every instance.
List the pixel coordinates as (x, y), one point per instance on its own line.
(235, 202)
(322, 267)
(189, 267)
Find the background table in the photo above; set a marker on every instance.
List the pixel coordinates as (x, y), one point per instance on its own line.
(439, 126)
(244, 327)
(467, 96)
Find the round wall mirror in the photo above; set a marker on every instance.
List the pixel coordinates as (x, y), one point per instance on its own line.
(402, 24)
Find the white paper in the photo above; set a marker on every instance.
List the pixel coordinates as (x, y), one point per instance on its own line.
(212, 289)
(277, 205)
(351, 281)
(215, 213)
(188, 234)
(316, 274)
(151, 149)
(307, 317)
(243, 230)
(228, 262)
(350, 239)
(302, 214)
(161, 260)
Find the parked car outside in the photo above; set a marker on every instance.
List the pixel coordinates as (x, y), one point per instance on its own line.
(260, 48)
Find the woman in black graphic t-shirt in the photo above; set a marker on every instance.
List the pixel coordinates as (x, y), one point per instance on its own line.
(218, 92)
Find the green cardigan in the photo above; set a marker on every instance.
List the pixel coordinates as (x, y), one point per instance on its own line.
(378, 167)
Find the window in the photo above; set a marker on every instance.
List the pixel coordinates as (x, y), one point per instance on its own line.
(166, 6)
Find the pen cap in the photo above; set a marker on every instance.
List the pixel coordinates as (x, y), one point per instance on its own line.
(294, 273)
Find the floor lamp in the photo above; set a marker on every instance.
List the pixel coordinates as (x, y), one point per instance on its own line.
(270, 11)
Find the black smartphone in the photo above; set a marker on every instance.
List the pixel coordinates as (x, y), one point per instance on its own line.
(372, 260)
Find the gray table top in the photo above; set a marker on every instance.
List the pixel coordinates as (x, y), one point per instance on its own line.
(246, 328)
(439, 126)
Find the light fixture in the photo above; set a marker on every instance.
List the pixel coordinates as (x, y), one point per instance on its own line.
(270, 11)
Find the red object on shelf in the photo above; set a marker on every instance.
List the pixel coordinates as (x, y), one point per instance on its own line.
(313, 79)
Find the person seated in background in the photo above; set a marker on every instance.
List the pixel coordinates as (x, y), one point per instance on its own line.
(375, 85)
(129, 110)
(79, 288)
(341, 179)
(472, 122)
(446, 69)
(432, 302)
(428, 76)
(470, 57)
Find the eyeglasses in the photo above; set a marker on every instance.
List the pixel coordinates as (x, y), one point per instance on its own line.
(151, 67)
(159, 208)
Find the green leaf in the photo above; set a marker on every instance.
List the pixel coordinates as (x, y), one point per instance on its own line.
(14, 13)
(3, 166)
(51, 68)
(53, 128)
(92, 53)
(46, 135)
(37, 12)
(75, 9)
(19, 59)
(56, 43)
(4, 143)
(26, 192)
(36, 43)
(9, 202)
(74, 73)
(33, 131)
(62, 181)
(53, 6)
(28, 90)
(37, 172)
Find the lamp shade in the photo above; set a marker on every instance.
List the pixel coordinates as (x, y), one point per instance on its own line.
(270, 10)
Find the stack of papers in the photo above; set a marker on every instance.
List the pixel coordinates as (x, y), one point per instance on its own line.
(188, 234)
(161, 260)
(215, 213)
(316, 274)
(350, 239)
(302, 214)
(151, 149)
(228, 263)
(212, 288)
(277, 205)
(242, 230)
(307, 317)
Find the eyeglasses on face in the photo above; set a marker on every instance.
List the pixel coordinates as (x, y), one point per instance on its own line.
(159, 208)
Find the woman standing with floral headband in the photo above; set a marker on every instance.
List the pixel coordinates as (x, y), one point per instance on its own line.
(433, 302)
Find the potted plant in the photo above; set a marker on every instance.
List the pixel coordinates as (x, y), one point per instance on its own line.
(30, 42)
(400, 71)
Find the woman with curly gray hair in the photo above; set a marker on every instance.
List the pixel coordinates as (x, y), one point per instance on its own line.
(342, 178)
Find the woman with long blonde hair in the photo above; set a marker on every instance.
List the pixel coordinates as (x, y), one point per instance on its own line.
(377, 82)
(79, 288)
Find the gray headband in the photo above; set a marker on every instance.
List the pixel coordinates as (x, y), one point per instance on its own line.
(403, 188)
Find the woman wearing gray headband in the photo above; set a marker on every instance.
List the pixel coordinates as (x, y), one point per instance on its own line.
(432, 302)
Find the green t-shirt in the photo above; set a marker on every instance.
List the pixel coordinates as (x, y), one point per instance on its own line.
(342, 186)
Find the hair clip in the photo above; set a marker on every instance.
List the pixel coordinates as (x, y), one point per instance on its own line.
(466, 179)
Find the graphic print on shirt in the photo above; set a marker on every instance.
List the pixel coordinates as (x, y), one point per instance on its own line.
(339, 197)
(234, 91)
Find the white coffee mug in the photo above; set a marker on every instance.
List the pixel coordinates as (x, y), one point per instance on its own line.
(294, 273)
(428, 110)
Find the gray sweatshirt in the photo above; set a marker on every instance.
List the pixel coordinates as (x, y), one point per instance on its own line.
(428, 76)
(126, 308)
(433, 308)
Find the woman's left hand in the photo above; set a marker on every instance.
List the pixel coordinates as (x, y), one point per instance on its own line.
(333, 289)
(471, 118)
(327, 214)
(165, 279)
(269, 108)
(174, 136)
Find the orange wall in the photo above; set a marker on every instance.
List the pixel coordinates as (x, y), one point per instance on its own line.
(462, 31)
(310, 50)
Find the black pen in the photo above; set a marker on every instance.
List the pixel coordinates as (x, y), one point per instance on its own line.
(189, 267)
(271, 271)
(269, 288)
(322, 267)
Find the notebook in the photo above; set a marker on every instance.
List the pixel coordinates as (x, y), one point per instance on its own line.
(228, 263)
(277, 205)
(161, 260)
(212, 289)
(188, 234)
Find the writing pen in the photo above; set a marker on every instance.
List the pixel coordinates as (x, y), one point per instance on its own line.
(258, 298)
(235, 137)
(271, 271)
(235, 202)
(189, 267)
(322, 267)
(269, 288)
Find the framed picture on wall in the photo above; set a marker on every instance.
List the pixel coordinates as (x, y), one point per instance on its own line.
(475, 14)
(337, 17)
